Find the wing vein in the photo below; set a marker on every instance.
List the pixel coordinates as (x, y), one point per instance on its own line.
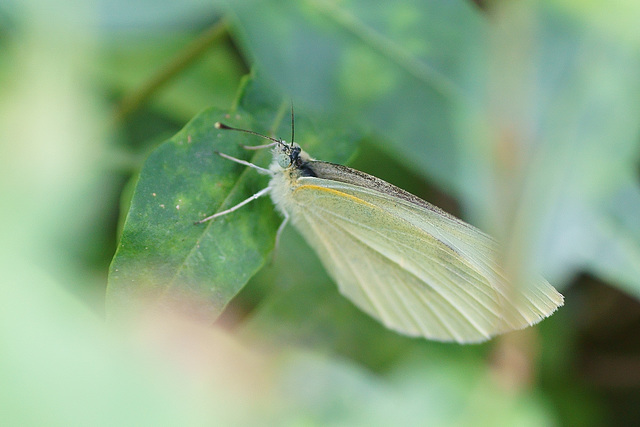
(453, 306)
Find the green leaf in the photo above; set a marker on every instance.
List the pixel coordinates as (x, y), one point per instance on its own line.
(161, 252)
(163, 257)
(392, 66)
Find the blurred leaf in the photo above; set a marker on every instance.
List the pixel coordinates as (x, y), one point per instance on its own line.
(608, 244)
(556, 112)
(434, 391)
(61, 367)
(129, 61)
(152, 14)
(162, 255)
(616, 17)
(393, 66)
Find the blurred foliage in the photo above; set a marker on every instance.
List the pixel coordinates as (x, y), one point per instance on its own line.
(520, 117)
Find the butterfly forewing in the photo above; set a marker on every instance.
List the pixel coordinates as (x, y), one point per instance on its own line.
(474, 247)
(419, 271)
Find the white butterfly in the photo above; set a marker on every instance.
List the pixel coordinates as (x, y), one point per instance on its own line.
(417, 269)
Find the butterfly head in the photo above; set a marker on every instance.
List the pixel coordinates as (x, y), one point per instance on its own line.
(287, 155)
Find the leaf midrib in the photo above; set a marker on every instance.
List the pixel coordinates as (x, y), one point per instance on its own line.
(196, 245)
(389, 48)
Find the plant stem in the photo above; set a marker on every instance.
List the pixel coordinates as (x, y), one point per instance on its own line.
(186, 57)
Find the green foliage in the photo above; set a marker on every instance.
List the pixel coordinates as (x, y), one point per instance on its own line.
(162, 254)
(394, 69)
(525, 112)
(466, 106)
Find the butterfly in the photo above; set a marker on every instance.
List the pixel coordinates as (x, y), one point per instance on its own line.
(417, 269)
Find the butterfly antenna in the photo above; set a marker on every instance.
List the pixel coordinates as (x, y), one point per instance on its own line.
(292, 124)
(219, 125)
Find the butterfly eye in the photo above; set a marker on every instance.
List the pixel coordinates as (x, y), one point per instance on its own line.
(284, 160)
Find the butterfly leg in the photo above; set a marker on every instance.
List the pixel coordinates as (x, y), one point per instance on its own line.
(236, 207)
(278, 234)
(281, 228)
(245, 163)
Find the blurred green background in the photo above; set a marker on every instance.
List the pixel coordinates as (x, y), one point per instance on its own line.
(520, 117)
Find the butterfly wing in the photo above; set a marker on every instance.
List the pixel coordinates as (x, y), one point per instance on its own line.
(418, 270)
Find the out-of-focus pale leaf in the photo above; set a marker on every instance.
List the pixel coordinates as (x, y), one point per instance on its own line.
(178, 372)
(608, 242)
(434, 391)
(618, 18)
(61, 367)
(556, 119)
